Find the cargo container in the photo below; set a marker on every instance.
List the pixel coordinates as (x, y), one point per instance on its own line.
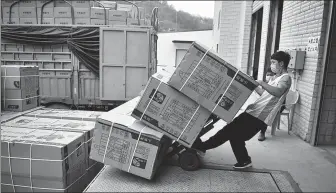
(125, 66)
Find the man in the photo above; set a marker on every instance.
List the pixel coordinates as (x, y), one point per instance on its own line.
(269, 76)
(256, 116)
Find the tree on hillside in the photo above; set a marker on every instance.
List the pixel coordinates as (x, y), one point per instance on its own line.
(169, 17)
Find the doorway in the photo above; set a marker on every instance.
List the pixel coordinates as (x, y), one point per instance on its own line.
(254, 50)
(273, 36)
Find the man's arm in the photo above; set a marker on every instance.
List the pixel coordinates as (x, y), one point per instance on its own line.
(283, 85)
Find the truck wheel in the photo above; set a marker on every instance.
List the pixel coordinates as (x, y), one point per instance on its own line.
(189, 160)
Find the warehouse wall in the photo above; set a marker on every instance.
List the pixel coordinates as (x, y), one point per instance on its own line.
(235, 26)
(327, 132)
(301, 20)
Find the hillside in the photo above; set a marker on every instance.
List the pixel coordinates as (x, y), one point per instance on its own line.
(168, 14)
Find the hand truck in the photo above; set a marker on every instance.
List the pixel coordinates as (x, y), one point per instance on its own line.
(188, 158)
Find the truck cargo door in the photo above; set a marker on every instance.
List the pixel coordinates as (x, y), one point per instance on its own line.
(124, 62)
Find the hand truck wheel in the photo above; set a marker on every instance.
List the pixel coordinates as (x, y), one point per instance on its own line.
(189, 160)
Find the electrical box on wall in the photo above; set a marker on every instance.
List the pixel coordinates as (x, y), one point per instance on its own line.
(297, 59)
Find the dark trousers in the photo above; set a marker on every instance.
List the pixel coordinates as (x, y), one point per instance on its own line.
(241, 129)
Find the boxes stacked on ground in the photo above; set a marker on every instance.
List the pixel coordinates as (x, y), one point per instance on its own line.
(19, 88)
(42, 160)
(205, 82)
(126, 143)
(62, 120)
(84, 127)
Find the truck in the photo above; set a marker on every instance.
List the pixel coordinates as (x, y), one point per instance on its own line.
(85, 67)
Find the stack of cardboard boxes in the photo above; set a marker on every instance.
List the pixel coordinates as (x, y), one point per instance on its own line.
(42, 160)
(19, 88)
(61, 142)
(176, 104)
(61, 13)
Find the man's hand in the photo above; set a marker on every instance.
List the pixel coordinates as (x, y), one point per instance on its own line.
(283, 85)
(260, 82)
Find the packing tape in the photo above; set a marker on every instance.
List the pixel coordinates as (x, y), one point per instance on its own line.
(136, 145)
(4, 90)
(188, 123)
(20, 76)
(227, 88)
(30, 167)
(22, 99)
(157, 88)
(195, 68)
(107, 143)
(10, 167)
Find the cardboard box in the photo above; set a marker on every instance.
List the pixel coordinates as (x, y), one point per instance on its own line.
(27, 12)
(82, 21)
(124, 7)
(46, 145)
(131, 21)
(61, 3)
(47, 12)
(40, 3)
(82, 12)
(28, 21)
(125, 140)
(210, 80)
(109, 4)
(117, 22)
(116, 15)
(6, 3)
(14, 12)
(81, 4)
(99, 13)
(99, 22)
(27, 3)
(62, 12)
(19, 88)
(170, 111)
(65, 114)
(126, 108)
(13, 21)
(84, 127)
(63, 21)
(47, 21)
(134, 13)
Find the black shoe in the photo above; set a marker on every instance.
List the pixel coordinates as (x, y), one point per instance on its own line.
(261, 137)
(243, 165)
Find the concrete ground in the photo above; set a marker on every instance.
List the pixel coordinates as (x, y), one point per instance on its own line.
(313, 168)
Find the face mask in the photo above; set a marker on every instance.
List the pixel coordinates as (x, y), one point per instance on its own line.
(274, 69)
